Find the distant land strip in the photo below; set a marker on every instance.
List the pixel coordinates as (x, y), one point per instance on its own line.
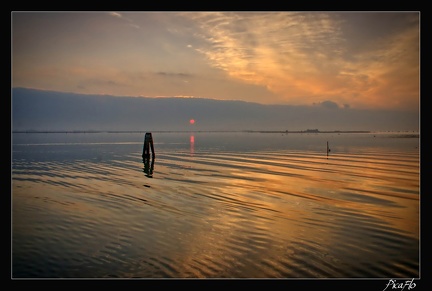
(215, 131)
(143, 131)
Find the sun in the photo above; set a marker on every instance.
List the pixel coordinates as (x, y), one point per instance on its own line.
(192, 121)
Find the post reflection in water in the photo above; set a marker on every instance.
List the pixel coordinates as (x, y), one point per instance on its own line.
(148, 166)
(192, 144)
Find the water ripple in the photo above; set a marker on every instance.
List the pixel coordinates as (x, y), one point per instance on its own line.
(227, 214)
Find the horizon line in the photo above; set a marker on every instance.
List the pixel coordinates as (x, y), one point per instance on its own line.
(308, 131)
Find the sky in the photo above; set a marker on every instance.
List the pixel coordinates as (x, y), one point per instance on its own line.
(361, 60)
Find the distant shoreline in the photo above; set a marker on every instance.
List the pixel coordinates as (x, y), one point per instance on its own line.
(210, 131)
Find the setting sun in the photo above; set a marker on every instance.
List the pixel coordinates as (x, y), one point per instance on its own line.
(192, 121)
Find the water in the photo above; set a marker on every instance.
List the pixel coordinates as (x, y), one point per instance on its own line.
(215, 205)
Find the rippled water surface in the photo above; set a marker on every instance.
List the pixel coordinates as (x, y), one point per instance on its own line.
(215, 205)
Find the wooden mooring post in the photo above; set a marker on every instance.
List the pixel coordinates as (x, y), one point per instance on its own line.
(328, 149)
(148, 145)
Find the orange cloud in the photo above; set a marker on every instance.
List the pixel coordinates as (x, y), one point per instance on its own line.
(304, 57)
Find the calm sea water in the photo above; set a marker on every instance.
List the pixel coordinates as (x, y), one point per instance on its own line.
(215, 205)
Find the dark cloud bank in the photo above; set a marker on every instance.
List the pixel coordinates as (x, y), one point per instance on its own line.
(59, 111)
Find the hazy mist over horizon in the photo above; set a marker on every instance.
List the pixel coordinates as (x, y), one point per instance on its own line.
(41, 110)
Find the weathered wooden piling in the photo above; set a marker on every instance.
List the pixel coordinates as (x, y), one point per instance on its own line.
(148, 145)
(328, 149)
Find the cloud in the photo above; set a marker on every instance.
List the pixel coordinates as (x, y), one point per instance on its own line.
(167, 74)
(303, 57)
(116, 14)
(276, 50)
(50, 110)
(130, 22)
(329, 105)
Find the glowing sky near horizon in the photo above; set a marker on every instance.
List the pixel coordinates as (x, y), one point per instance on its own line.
(365, 60)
